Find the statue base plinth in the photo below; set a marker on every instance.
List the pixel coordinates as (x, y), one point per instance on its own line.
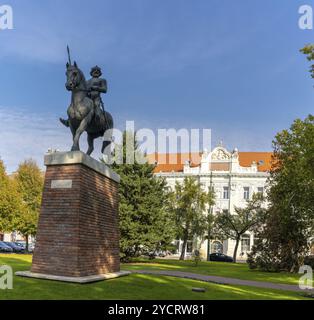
(78, 235)
(87, 279)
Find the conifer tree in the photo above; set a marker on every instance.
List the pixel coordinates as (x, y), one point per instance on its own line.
(145, 222)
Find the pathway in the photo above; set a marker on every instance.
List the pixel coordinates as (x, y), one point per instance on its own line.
(223, 280)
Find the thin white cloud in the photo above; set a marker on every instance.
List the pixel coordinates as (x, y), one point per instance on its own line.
(25, 134)
(28, 135)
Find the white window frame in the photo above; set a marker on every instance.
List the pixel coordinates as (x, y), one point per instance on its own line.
(245, 247)
(246, 193)
(226, 193)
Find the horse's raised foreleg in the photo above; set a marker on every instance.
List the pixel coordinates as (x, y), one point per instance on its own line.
(82, 127)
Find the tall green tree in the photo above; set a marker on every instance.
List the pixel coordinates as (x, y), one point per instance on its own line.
(10, 201)
(190, 206)
(234, 226)
(29, 181)
(286, 237)
(146, 224)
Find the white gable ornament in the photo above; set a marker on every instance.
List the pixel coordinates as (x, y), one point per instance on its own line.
(220, 153)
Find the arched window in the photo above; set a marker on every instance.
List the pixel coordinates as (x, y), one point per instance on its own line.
(217, 247)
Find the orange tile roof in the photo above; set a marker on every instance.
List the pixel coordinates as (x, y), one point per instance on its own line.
(168, 162)
(263, 158)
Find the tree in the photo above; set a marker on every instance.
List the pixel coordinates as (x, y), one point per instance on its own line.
(308, 50)
(10, 202)
(29, 181)
(234, 226)
(146, 224)
(286, 237)
(189, 203)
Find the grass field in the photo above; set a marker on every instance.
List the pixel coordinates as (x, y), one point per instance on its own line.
(135, 286)
(230, 270)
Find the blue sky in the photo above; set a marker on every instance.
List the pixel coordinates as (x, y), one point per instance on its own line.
(232, 66)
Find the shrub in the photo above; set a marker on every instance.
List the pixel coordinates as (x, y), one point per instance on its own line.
(196, 257)
(309, 261)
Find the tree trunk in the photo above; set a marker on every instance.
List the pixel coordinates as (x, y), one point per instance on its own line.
(236, 250)
(26, 239)
(185, 241)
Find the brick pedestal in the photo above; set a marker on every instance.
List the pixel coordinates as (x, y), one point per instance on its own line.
(78, 236)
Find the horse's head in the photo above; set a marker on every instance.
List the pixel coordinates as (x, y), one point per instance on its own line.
(74, 76)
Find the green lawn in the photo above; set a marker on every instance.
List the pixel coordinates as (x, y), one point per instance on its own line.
(134, 286)
(230, 270)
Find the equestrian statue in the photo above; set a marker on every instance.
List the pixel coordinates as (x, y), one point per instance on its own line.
(86, 111)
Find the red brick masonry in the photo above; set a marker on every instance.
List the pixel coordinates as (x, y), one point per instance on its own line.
(78, 231)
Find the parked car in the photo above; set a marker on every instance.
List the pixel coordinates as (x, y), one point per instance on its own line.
(16, 248)
(5, 248)
(22, 244)
(151, 255)
(220, 257)
(162, 254)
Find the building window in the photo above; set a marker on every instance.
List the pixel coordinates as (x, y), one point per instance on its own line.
(245, 243)
(226, 193)
(203, 186)
(246, 193)
(176, 243)
(216, 247)
(260, 190)
(189, 246)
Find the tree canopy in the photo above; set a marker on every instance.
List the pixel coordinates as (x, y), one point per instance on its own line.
(286, 237)
(29, 181)
(189, 205)
(234, 226)
(10, 201)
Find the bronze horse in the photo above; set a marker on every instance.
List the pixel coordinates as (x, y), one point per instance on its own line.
(81, 112)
